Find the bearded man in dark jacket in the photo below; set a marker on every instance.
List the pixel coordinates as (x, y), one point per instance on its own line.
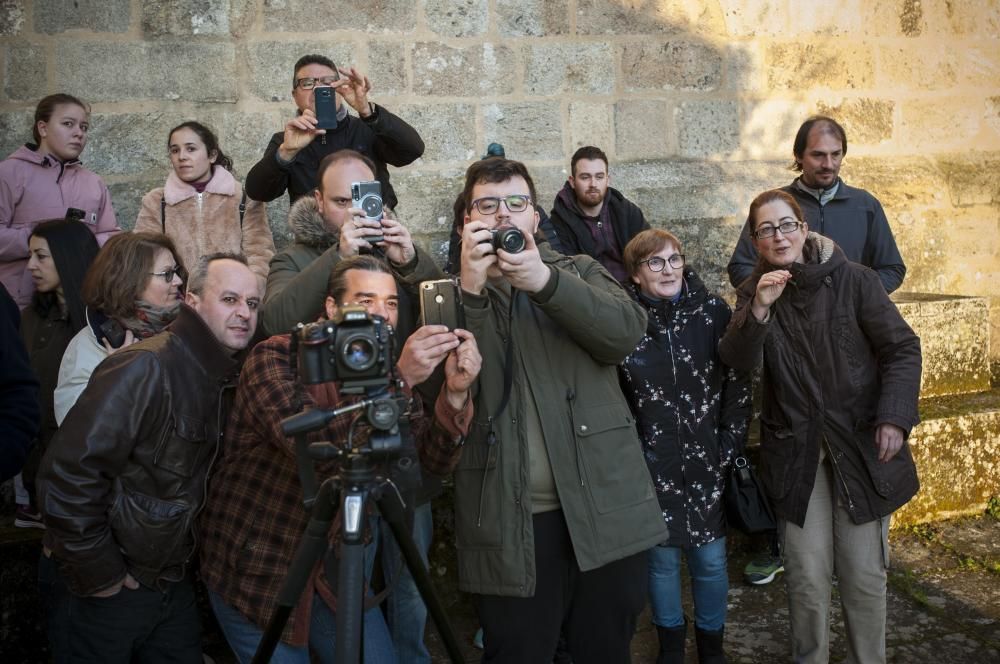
(590, 217)
(841, 379)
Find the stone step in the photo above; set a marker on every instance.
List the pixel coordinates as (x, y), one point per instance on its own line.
(954, 335)
(956, 448)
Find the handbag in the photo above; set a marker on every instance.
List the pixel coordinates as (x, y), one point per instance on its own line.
(747, 506)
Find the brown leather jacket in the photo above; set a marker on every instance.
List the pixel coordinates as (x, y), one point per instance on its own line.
(838, 361)
(125, 476)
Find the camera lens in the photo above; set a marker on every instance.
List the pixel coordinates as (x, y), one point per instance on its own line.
(359, 353)
(372, 205)
(510, 239)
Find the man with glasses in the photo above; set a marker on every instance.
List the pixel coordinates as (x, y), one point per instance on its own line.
(849, 216)
(293, 155)
(591, 217)
(124, 478)
(554, 508)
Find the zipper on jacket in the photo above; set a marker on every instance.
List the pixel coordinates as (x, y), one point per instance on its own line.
(840, 476)
(491, 442)
(570, 397)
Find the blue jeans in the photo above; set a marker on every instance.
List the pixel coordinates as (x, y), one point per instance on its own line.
(709, 584)
(405, 610)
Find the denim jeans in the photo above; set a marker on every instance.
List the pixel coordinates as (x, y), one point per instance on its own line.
(709, 584)
(405, 610)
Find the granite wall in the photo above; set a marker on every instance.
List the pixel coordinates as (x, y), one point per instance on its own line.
(695, 101)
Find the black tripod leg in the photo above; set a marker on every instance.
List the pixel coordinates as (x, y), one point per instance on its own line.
(312, 547)
(391, 509)
(351, 578)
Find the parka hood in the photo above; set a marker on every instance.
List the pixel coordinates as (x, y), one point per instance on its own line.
(308, 225)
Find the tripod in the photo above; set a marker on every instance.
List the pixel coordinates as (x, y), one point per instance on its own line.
(348, 492)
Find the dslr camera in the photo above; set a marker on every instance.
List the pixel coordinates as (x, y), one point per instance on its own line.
(508, 238)
(354, 348)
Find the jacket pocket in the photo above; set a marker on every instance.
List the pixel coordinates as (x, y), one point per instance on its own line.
(777, 455)
(149, 530)
(611, 456)
(479, 509)
(184, 451)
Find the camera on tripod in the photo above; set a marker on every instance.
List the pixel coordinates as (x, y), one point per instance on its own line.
(353, 348)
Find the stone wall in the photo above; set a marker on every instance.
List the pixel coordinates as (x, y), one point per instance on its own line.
(695, 101)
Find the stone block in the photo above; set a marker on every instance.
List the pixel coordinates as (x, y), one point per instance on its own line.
(993, 114)
(589, 124)
(15, 130)
(830, 64)
(706, 244)
(917, 66)
(130, 144)
(243, 136)
(971, 178)
(528, 130)
(556, 69)
(676, 64)
(940, 123)
(636, 17)
(836, 17)
(270, 64)
(744, 67)
(754, 18)
(533, 18)
(947, 18)
(166, 70)
(707, 128)
(448, 130)
(326, 15)
(52, 16)
(26, 78)
(11, 17)
(126, 197)
(866, 120)
(980, 65)
(468, 71)
(464, 18)
(643, 128)
(277, 219)
(387, 68)
(426, 200)
(914, 182)
(768, 128)
(196, 17)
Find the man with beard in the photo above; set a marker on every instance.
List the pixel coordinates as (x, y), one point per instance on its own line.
(593, 218)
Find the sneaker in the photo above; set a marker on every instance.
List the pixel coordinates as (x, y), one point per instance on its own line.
(477, 640)
(26, 517)
(763, 570)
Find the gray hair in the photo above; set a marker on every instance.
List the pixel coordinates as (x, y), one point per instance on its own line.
(196, 282)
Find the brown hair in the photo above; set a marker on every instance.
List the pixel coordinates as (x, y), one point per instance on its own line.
(338, 156)
(121, 272)
(495, 169)
(769, 197)
(587, 152)
(825, 124)
(47, 106)
(644, 245)
(337, 285)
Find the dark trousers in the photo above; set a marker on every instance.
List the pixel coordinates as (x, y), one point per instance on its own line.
(595, 610)
(143, 625)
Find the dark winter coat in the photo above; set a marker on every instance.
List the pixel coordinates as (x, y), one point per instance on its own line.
(18, 392)
(692, 411)
(838, 361)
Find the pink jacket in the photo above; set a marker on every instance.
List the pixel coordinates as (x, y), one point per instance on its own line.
(35, 188)
(206, 223)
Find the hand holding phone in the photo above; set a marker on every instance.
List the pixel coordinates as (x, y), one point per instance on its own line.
(325, 101)
(441, 303)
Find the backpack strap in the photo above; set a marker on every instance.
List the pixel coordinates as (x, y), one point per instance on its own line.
(163, 213)
(243, 209)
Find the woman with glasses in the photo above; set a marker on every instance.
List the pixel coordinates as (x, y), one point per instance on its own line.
(692, 413)
(44, 180)
(841, 377)
(132, 291)
(202, 207)
(60, 253)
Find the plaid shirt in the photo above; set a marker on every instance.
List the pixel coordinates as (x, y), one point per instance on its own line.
(254, 517)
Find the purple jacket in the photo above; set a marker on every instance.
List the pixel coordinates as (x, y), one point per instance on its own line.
(36, 187)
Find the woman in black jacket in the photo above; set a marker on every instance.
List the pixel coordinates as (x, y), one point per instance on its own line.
(692, 413)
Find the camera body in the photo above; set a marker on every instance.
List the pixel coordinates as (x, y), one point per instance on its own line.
(354, 348)
(367, 196)
(508, 238)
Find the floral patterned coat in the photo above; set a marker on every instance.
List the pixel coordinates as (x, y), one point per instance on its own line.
(691, 410)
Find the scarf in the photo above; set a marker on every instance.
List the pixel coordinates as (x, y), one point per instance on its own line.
(150, 319)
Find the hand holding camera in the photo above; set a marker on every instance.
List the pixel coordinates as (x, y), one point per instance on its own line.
(524, 270)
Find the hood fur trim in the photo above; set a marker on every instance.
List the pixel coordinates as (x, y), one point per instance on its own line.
(308, 225)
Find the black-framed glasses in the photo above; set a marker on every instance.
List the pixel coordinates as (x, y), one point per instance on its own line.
(656, 264)
(309, 82)
(787, 225)
(168, 274)
(490, 204)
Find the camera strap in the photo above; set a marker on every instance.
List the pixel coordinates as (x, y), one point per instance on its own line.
(508, 362)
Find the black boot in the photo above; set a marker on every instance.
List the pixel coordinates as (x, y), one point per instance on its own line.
(671, 644)
(709, 646)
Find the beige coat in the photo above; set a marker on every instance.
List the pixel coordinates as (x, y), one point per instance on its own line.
(205, 223)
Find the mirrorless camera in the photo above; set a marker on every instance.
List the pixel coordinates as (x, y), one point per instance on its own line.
(508, 238)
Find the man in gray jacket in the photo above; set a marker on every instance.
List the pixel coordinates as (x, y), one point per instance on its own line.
(554, 508)
(851, 217)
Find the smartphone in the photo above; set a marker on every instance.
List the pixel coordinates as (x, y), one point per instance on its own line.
(441, 303)
(113, 332)
(367, 196)
(326, 107)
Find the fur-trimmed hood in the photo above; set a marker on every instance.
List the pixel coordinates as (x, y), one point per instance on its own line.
(308, 225)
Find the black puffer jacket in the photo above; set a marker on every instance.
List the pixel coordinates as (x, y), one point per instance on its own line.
(838, 361)
(124, 478)
(692, 411)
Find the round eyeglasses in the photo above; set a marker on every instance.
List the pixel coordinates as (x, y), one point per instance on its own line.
(656, 264)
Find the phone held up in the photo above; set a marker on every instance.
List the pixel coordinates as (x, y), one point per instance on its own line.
(367, 196)
(441, 303)
(326, 107)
